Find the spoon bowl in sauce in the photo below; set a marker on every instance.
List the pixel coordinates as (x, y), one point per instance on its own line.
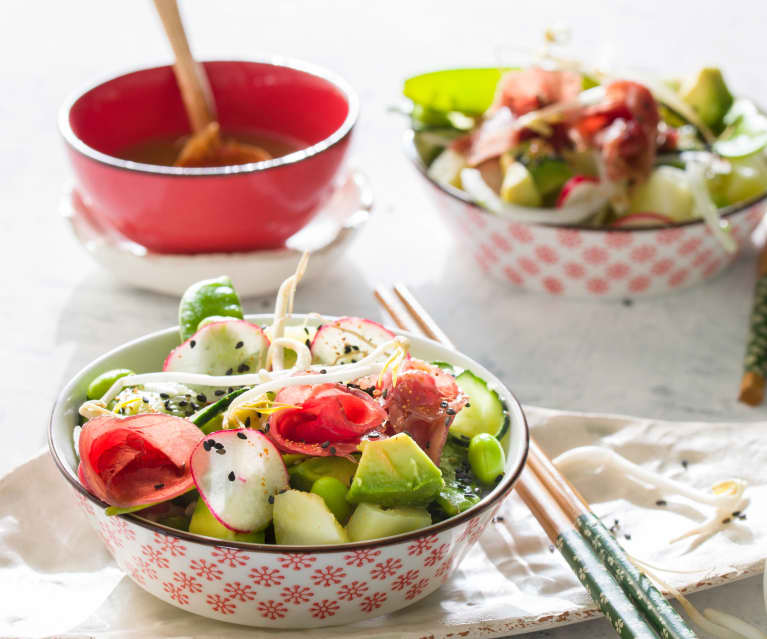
(123, 137)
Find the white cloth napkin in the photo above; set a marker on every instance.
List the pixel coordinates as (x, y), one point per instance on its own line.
(56, 578)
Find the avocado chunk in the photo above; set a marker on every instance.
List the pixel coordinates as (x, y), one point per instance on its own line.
(549, 175)
(708, 95)
(667, 192)
(304, 474)
(518, 186)
(304, 519)
(204, 523)
(395, 472)
(370, 521)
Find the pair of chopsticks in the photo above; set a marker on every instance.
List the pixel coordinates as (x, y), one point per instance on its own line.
(628, 599)
(755, 364)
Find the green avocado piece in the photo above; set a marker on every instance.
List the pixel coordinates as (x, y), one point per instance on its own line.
(518, 186)
(395, 472)
(370, 521)
(549, 175)
(205, 298)
(304, 474)
(708, 95)
(204, 523)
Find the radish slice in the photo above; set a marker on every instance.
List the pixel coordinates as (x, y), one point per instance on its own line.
(641, 219)
(575, 189)
(573, 211)
(236, 473)
(348, 340)
(221, 348)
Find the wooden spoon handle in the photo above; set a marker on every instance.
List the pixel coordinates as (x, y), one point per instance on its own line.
(191, 78)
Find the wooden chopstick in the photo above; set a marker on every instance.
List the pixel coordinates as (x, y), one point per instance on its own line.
(635, 584)
(755, 364)
(603, 588)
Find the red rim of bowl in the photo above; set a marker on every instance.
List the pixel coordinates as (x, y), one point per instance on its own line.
(498, 493)
(291, 158)
(408, 144)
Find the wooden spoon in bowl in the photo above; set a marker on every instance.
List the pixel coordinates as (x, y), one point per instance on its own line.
(205, 147)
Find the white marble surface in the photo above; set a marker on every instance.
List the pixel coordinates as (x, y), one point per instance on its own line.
(673, 357)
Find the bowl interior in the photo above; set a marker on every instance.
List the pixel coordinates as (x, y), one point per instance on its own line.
(260, 96)
(147, 354)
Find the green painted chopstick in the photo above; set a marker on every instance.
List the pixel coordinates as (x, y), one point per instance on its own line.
(755, 363)
(659, 612)
(605, 590)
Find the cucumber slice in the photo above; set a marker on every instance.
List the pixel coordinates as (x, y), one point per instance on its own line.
(485, 413)
(205, 414)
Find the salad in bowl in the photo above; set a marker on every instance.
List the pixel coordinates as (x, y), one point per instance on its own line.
(282, 442)
(562, 179)
(566, 146)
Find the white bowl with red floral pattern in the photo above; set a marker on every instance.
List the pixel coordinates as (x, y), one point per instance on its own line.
(575, 261)
(279, 586)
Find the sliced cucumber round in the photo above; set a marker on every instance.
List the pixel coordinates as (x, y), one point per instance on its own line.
(484, 414)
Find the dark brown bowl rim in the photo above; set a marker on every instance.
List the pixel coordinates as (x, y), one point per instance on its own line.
(408, 144)
(342, 132)
(499, 493)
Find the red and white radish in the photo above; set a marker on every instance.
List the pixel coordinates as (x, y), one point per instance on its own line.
(221, 348)
(641, 219)
(348, 340)
(237, 473)
(576, 189)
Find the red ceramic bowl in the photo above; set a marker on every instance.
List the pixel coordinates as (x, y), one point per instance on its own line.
(220, 209)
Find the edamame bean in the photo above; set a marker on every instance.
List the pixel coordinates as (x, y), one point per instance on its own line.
(103, 382)
(333, 492)
(486, 458)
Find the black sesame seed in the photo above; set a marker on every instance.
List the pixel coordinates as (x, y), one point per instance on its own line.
(158, 486)
(164, 396)
(239, 344)
(188, 396)
(230, 476)
(207, 444)
(498, 479)
(221, 451)
(323, 371)
(247, 422)
(443, 404)
(271, 499)
(167, 405)
(194, 407)
(324, 444)
(242, 368)
(218, 445)
(219, 392)
(229, 372)
(726, 520)
(373, 435)
(145, 400)
(355, 347)
(450, 411)
(242, 435)
(192, 344)
(685, 463)
(306, 330)
(467, 405)
(551, 547)
(183, 402)
(347, 349)
(499, 518)
(736, 513)
(332, 450)
(202, 398)
(742, 516)
(627, 536)
(661, 502)
(230, 390)
(448, 420)
(308, 343)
